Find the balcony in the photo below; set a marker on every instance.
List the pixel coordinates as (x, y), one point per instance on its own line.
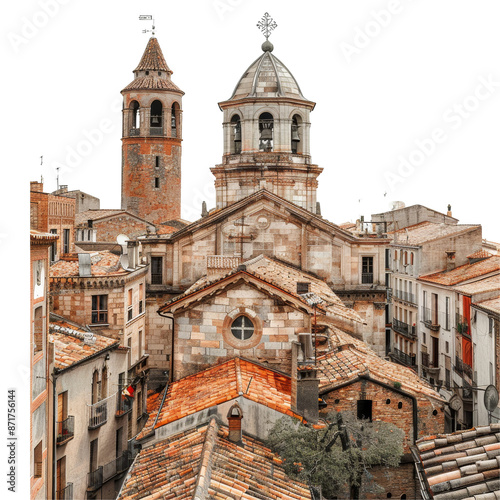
(66, 493)
(116, 466)
(405, 296)
(462, 325)
(155, 130)
(430, 318)
(65, 430)
(366, 278)
(98, 414)
(135, 131)
(461, 367)
(404, 329)
(123, 404)
(94, 479)
(403, 358)
(425, 359)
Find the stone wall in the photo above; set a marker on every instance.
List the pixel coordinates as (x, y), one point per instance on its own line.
(203, 334)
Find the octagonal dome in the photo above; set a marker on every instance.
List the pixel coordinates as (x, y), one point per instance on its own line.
(267, 77)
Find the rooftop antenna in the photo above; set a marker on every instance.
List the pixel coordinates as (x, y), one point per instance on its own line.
(41, 163)
(57, 168)
(148, 18)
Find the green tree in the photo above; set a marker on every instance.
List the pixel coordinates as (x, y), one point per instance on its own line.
(338, 455)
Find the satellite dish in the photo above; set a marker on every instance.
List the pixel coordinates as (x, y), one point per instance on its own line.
(121, 239)
(491, 398)
(124, 261)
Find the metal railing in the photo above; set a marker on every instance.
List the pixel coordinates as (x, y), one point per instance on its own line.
(123, 404)
(366, 278)
(98, 413)
(155, 130)
(116, 466)
(431, 318)
(65, 429)
(425, 359)
(461, 324)
(406, 296)
(135, 131)
(404, 328)
(462, 367)
(94, 479)
(406, 359)
(66, 493)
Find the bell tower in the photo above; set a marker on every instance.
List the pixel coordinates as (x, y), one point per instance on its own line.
(266, 135)
(151, 140)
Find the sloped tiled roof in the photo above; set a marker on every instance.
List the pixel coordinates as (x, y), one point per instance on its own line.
(351, 358)
(153, 59)
(465, 272)
(465, 464)
(221, 383)
(153, 83)
(279, 275)
(490, 284)
(424, 232)
(38, 236)
(480, 254)
(70, 347)
(202, 463)
(492, 305)
(103, 263)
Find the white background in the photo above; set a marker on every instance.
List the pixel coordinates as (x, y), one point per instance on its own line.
(62, 73)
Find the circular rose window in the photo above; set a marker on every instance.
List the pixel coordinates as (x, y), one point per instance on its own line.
(242, 328)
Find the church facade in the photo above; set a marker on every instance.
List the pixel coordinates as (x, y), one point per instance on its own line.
(266, 201)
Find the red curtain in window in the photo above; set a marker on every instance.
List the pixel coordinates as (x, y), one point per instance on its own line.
(467, 351)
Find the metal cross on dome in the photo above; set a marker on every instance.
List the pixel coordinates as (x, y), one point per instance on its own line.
(266, 25)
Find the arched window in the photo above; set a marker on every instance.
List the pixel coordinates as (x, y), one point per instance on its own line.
(266, 124)
(235, 135)
(104, 383)
(156, 119)
(135, 117)
(411, 258)
(296, 122)
(96, 396)
(174, 118)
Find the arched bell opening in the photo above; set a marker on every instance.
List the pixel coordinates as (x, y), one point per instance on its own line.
(235, 135)
(174, 119)
(156, 118)
(296, 132)
(135, 118)
(266, 128)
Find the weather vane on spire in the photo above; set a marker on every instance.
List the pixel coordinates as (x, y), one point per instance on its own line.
(266, 25)
(148, 18)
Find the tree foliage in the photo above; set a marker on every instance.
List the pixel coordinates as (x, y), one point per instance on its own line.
(340, 454)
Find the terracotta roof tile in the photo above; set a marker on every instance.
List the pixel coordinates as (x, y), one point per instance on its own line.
(103, 263)
(203, 463)
(492, 305)
(424, 232)
(465, 464)
(485, 285)
(351, 358)
(69, 345)
(222, 383)
(465, 272)
(154, 83)
(152, 58)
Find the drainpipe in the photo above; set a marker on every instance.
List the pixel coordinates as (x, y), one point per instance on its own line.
(54, 436)
(171, 377)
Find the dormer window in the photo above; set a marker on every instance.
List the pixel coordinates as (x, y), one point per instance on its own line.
(266, 126)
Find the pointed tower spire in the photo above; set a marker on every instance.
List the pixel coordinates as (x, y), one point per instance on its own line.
(153, 59)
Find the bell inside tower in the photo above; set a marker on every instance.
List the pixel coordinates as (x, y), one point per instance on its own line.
(156, 119)
(236, 135)
(295, 134)
(266, 125)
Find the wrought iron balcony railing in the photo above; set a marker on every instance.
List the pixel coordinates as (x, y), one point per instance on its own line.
(94, 479)
(431, 318)
(406, 359)
(98, 413)
(404, 328)
(123, 404)
(65, 430)
(117, 466)
(406, 296)
(366, 278)
(155, 130)
(462, 367)
(462, 325)
(135, 131)
(66, 493)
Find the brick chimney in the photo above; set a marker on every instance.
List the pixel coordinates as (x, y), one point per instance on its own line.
(234, 416)
(448, 213)
(36, 186)
(305, 384)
